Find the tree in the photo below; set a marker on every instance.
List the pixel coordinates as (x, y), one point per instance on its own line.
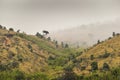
(113, 34)
(49, 38)
(98, 42)
(39, 35)
(11, 29)
(106, 67)
(0, 26)
(62, 44)
(56, 43)
(94, 66)
(68, 74)
(45, 32)
(18, 31)
(66, 46)
(91, 57)
(106, 55)
(4, 28)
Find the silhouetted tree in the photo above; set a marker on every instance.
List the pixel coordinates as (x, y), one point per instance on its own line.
(49, 38)
(56, 43)
(39, 35)
(11, 29)
(66, 45)
(0, 26)
(62, 44)
(4, 28)
(45, 32)
(91, 57)
(18, 31)
(98, 42)
(113, 34)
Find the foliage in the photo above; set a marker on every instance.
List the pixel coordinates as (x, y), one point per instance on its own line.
(94, 66)
(19, 75)
(68, 74)
(106, 55)
(106, 67)
(98, 42)
(66, 45)
(1, 27)
(113, 34)
(91, 57)
(39, 35)
(11, 29)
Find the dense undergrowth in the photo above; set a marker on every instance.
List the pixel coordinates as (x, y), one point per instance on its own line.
(68, 74)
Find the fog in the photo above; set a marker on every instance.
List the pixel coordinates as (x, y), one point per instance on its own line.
(59, 16)
(87, 35)
(34, 16)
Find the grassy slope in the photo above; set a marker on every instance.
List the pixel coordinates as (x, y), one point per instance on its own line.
(110, 46)
(31, 53)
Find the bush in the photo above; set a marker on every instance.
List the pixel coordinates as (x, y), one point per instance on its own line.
(20, 75)
(106, 67)
(39, 35)
(68, 74)
(94, 66)
(13, 64)
(66, 46)
(91, 57)
(106, 55)
(3, 67)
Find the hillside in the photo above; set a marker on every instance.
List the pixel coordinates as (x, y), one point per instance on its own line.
(33, 57)
(107, 51)
(23, 53)
(32, 54)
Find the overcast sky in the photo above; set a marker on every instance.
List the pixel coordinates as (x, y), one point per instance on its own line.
(33, 16)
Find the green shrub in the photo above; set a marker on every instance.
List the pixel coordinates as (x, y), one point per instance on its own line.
(91, 57)
(68, 74)
(94, 66)
(3, 67)
(106, 55)
(106, 67)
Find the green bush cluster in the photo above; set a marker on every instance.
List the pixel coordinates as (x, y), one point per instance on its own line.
(18, 75)
(113, 74)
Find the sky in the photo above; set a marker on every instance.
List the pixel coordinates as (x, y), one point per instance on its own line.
(34, 16)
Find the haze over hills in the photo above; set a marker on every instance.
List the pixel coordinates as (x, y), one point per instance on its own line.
(35, 57)
(31, 54)
(107, 51)
(87, 35)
